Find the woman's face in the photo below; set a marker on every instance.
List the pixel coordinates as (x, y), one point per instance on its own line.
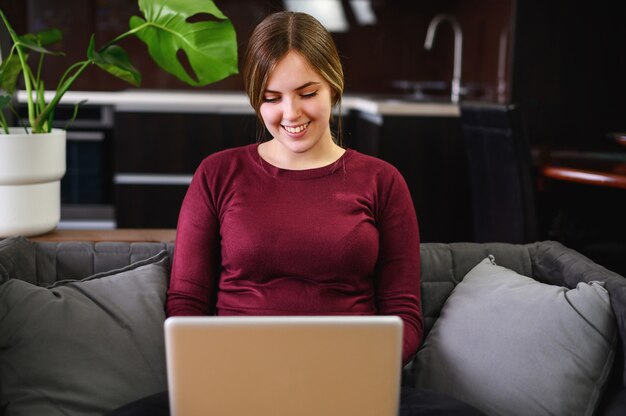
(296, 107)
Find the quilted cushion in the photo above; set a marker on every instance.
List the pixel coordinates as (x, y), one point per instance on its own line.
(83, 347)
(510, 345)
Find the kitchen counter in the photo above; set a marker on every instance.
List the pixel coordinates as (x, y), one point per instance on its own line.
(237, 103)
(386, 106)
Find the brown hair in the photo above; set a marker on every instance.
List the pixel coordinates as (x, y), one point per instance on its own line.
(280, 33)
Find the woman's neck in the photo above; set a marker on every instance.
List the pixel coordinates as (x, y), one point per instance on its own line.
(323, 155)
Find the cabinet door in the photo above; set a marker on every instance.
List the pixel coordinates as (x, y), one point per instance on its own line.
(157, 154)
(148, 205)
(429, 153)
(164, 142)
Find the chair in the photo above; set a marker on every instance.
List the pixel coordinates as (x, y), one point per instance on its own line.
(501, 177)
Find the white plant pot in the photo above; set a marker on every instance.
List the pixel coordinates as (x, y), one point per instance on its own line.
(31, 168)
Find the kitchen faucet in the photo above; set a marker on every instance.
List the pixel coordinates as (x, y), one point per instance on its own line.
(458, 50)
(502, 55)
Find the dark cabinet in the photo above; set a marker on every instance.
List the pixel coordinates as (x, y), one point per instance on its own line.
(156, 154)
(88, 178)
(429, 153)
(148, 205)
(164, 143)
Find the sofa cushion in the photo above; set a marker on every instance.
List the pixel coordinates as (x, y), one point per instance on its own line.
(443, 266)
(558, 265)
(17, 259)
(83, 347)
(508, 344)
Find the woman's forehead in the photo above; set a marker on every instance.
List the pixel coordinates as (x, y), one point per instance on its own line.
(292, 71)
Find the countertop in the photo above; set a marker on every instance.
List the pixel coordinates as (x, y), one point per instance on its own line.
(237, 102)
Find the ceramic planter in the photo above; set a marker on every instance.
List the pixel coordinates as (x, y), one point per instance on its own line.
(31, 168)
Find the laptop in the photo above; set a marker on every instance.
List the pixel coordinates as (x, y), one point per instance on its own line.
(284, 366)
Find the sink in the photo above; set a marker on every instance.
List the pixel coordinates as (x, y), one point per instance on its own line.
(422, 91)
(413, 98)
(408, 98)
(414, 92)
(427, 92)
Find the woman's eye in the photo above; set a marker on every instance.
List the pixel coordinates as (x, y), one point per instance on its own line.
(270, 99)
(309, 95)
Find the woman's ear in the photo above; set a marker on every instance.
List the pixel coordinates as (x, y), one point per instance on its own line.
(334, 97)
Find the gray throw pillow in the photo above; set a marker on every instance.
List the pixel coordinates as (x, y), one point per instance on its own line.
(510, 345)
(83, 347)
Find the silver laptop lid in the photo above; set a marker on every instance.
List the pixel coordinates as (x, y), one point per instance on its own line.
(284, 366)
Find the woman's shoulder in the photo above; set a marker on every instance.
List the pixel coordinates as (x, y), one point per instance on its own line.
(227, 155)
(225, 158)
(371, 164)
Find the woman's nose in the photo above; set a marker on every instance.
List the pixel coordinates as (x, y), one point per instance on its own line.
(291, 109)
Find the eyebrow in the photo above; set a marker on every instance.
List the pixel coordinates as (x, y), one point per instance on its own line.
(301, 87)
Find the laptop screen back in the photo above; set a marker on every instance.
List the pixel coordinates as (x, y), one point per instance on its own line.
(284, 366)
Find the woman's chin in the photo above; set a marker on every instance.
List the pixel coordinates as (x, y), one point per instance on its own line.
(296, 145)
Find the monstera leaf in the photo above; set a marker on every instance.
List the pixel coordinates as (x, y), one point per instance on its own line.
(115, 61)
(210, 45)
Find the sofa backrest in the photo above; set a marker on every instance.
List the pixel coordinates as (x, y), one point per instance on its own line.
(43, 263)
(443, 266)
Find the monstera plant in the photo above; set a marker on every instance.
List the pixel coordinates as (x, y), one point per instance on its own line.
(33, 155)
(209, 44)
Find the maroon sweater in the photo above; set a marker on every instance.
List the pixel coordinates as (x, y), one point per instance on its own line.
(254, 239)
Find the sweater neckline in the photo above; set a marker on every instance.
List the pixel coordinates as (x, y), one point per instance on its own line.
(301, 174)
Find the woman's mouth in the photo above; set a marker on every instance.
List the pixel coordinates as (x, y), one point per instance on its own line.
(296, 129)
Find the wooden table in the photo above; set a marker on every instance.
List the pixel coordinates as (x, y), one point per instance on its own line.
(591, 168)
(126, 234)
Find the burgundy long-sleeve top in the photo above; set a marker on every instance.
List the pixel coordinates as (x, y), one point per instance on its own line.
(254, 239)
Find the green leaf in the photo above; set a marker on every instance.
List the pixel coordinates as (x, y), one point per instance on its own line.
(210, 46)
(31, 42)
(49, 37)
(115, 61)
(71, 120)
(10, 71)
(4, 101)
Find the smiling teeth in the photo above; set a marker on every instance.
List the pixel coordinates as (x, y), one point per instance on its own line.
(297, 129)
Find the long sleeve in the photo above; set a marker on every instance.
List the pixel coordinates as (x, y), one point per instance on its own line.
(398, 267)
(195, 268)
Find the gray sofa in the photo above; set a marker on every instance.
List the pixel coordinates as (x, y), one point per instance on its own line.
(81, 347)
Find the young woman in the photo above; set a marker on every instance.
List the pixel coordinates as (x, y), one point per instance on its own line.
(297, 224)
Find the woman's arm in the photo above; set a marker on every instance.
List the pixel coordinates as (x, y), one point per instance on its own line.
(398, 267)
(195, 268)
